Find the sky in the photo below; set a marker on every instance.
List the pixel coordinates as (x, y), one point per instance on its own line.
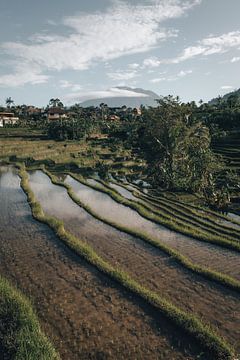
(77, 50)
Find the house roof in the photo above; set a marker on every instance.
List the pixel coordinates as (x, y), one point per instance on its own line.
(7, 114)
(56, 110)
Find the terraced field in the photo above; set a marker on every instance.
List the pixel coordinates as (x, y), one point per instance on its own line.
(85, 314)
(149, 266)
(229, 149)
(33, 146)
(199, 252)
(113, 270)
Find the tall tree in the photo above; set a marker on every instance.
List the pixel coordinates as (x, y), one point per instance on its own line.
(177, 146)
(9, 102)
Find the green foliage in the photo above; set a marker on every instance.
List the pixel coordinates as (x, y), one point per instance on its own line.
(74, 129)
(177, 147)
(20, 333)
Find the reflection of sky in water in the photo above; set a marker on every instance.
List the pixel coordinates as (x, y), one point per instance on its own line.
(107, 207)
(124, 192)
(55, 201)
(10, 188)
(234, 217)
(8, 178)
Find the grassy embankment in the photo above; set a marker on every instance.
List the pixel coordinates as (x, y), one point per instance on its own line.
(197, 211)
(33, 147)
(159, 218)
(229, 148)
(165, 208)
(209, 274)
(20, 335)
(215, 347)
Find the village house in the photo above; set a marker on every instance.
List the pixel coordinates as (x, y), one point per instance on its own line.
(56, 113)
(113, 118)
(8, 118)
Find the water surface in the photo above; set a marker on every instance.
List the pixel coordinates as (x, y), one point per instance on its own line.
(203, 253)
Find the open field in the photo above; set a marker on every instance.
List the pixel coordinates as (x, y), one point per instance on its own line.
(115, 271)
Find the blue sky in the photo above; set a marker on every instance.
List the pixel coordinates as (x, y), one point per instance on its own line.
(76, 50)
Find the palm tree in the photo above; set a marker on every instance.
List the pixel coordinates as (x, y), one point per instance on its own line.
(9, 102)
(55, 103)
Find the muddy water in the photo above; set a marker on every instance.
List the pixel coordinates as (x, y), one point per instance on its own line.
(84, 313)
(201, 253)
(149, 266)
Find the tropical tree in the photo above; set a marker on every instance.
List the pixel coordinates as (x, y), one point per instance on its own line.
(55, 103)
(177, 146)
(9, 102)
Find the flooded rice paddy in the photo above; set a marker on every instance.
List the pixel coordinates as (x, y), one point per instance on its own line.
(201, 253)
(214, 304)
(85, 314)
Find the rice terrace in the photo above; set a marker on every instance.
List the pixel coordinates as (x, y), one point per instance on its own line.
(120, 208)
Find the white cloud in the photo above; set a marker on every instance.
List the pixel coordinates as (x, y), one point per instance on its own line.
(184, 73)
(112, 92)
(205, 47)
(65, 84)
(235, 59)
(151, 62)
(157, 80)
(179, 75)
(134, 66)
(123, 29)
(209, 46)
(23, 74)
(227, 87)
(122, 75)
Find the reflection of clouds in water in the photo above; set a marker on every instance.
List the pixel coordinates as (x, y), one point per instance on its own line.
(234, 217)
(8, 178)
(110, 209)
(54, 199)
(124, 192)
(56, 202)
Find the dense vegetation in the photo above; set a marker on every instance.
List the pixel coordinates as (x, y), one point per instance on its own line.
(175, 139)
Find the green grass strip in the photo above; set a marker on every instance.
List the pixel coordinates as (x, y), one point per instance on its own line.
(170, 224)
(216, 348)
(167, 210)
(198, 211)
(208, 274)
(20, 333)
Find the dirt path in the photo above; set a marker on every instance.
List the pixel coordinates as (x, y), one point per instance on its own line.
(84, 313)
(214, 304)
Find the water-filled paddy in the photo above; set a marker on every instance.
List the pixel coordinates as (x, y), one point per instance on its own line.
(205, 254)
(142, 261)
(84, 313)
